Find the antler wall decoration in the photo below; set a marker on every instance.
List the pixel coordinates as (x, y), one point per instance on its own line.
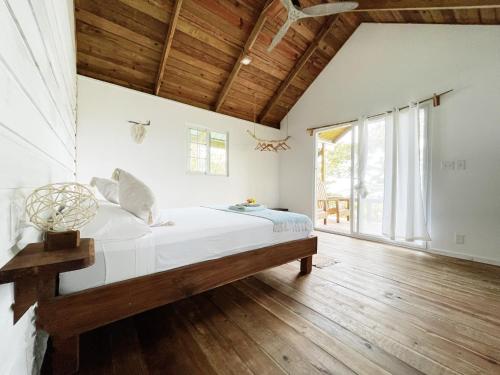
(138, 130)
(148, 123)
(269, 144)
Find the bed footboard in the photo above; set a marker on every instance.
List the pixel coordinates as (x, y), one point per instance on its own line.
(65, 317)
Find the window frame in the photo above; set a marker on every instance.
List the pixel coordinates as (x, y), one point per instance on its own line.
(208, 158)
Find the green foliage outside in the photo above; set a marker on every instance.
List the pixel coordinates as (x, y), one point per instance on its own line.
(338, 160)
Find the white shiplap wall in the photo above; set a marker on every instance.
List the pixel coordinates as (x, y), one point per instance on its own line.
(37, 135)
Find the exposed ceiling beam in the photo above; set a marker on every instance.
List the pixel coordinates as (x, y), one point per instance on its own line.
(374, 5)
(168, 44)
(327, 27)
(246, 50)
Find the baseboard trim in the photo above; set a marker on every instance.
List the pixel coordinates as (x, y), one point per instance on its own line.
(453, 254)
(447, 253)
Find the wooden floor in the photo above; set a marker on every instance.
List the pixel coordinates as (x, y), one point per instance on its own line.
(367, 308)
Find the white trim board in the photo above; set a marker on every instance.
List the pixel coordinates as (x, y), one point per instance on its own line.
(446, 253)
(452, 254)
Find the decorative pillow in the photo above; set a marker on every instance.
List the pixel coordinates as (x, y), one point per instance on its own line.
(136, 197)
(108, 188)
(114, 223)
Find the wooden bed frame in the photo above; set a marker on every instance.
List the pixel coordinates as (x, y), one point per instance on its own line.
(66, 317)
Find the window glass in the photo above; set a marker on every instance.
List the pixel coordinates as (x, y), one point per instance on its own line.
(208, 152)
(218, 153)
(197, 150)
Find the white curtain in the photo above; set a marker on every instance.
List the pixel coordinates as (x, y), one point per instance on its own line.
(390, 174)
(362, 131)
(403, 212)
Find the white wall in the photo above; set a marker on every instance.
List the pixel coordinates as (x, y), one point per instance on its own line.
(384, 65)
(104, 143)
(37, 135)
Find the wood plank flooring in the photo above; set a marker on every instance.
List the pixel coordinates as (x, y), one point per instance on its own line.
(367, 308)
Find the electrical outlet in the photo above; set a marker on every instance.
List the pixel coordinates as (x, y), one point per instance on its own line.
(461, 165)
(460, 239)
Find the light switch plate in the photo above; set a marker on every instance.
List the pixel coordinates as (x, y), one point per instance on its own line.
(14, 223)
(17, 216)
(448, 164)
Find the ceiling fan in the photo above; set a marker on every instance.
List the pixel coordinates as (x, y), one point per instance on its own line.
(295, 13)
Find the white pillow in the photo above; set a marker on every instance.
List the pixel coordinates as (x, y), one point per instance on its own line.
(114, 223)
(136, 197)
(108, 188)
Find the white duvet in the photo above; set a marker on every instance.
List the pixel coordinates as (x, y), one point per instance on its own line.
(198, 234)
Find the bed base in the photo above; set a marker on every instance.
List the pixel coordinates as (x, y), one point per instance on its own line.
(66, 317)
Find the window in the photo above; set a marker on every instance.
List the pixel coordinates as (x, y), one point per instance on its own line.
(207, 152)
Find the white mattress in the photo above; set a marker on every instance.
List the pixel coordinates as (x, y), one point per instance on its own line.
(198, 234)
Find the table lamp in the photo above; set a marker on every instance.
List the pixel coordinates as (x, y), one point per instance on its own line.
(59, 210)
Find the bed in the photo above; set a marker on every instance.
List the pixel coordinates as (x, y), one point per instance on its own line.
(199, 234)
(205, 248)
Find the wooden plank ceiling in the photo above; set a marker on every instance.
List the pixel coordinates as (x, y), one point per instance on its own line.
(190, 50)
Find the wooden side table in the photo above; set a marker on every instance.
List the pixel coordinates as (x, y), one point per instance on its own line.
(34, 272)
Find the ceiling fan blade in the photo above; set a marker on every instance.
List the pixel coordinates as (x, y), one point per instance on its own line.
(330, 8)
(279, 35)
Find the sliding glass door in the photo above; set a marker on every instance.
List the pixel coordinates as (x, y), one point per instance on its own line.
(359, 169)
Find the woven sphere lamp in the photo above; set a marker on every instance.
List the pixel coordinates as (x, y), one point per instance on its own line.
(59, 210)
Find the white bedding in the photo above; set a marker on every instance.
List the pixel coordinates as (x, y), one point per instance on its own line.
(198, 234)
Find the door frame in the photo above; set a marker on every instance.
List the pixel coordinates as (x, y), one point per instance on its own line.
(315, 175)
(352, 233)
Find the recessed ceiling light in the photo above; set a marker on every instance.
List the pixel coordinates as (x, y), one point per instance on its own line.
(246, 60)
